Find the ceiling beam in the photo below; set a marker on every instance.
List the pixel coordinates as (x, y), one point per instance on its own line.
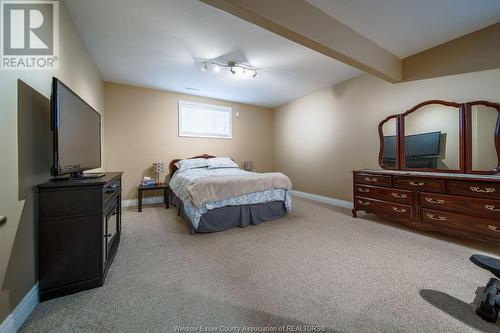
(301, 22)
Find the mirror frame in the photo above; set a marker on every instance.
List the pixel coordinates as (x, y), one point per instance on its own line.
(461, 149)
(381, 137)
(465, 137)
(468, 129)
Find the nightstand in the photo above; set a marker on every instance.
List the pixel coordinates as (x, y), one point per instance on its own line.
(166, 194)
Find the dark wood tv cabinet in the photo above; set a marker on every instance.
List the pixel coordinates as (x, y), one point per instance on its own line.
(79, 232)
(464, 205)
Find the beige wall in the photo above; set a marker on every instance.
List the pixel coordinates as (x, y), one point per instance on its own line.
(477, 51)
(320, 138)
(17, 245)
(142, 128)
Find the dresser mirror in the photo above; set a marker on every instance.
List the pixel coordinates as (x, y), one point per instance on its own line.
(441, 136)
(388, 131)
(432, 138)
(484, 142)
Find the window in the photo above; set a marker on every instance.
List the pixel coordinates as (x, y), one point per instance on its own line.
(204, 120)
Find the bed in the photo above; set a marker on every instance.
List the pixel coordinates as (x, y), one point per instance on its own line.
(221, 196)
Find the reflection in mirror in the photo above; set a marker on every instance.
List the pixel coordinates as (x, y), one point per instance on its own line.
(432, 138)
(484, 154)
(389, 154)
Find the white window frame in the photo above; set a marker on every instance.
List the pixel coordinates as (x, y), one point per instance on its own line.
(211, 107)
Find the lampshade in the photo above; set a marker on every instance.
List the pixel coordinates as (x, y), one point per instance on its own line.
(159, 167)
(248, 165)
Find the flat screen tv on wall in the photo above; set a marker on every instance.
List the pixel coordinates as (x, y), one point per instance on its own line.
(76, 130)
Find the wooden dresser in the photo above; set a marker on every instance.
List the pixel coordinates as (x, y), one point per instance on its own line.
(78, 233)
(464, 205)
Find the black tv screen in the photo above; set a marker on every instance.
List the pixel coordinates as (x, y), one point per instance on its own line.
(425, 144)
(77, 132)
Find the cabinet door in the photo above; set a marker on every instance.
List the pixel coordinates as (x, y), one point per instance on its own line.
(69, 250)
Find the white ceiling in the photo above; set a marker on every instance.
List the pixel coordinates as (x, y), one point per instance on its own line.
(406, 27)
(152, 43)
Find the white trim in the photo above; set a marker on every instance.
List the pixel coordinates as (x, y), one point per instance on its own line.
(16, 318)
(327, 200)
(305, 195)
(145, 201)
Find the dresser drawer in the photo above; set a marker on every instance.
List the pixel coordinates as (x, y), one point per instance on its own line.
(391, 211)
(463, 205)
(420, 184)
(71, 201)
(385, 194)
(378, 180)
(477, 189)
(466, 224)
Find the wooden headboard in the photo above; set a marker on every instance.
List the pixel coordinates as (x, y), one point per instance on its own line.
(172, 168)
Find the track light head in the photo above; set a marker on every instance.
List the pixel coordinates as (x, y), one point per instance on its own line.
(205, 67)
(254, 74)
(232, 70)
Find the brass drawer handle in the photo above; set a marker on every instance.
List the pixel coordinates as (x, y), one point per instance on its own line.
(371, 180)
(399, 210)
(399, 196)
(434, 201)
(437, 218)
(493, 228)
(363, 190)
(364, 203)
(416, 183)
(492, 208)
(485, 190)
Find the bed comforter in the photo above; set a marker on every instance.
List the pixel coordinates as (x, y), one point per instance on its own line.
(182, 181)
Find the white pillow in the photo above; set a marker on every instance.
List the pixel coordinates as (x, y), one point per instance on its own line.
(191, 164)
(221, 162)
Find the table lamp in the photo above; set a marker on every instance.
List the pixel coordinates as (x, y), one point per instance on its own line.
(158, 167)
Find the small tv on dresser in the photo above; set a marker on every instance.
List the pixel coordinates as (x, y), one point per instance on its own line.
(79, 218)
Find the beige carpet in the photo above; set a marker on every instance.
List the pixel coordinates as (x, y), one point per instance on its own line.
(318, 266)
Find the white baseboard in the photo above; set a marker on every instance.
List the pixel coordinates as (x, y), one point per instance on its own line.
(305, 195)
(16, 318)
(145, 201)
(327, 200)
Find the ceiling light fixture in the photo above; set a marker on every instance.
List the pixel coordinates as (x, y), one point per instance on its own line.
(235, 68)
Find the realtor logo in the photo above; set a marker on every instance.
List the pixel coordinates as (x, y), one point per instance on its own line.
(30, 35)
